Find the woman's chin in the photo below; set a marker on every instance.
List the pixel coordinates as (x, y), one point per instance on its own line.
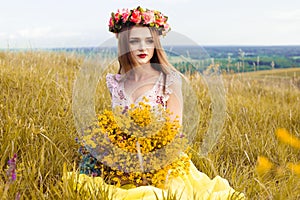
(143, 62)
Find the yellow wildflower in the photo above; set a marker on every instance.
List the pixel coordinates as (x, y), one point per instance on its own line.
(263, 165)
(284, 136)
(294, 168)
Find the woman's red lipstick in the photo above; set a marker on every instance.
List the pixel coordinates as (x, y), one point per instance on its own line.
(142, 55)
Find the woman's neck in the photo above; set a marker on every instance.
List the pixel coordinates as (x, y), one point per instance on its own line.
(142, 72)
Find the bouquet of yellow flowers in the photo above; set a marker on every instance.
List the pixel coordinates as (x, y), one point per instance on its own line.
(139, 145)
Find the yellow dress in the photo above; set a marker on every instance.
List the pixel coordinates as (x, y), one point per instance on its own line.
(192, 185)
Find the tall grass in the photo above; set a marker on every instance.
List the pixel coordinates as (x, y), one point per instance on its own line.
(36, 123)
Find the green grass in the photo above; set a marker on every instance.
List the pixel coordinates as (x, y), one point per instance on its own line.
(36, 122)
(284, 73)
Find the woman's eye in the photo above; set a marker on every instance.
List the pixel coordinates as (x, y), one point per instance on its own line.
(150, 41)
(133, 41)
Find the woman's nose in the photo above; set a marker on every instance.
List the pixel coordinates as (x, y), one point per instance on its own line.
(142, 45)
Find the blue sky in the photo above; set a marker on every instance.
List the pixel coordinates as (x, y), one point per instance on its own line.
(78, 23)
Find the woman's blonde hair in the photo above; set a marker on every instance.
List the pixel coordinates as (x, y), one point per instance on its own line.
(159, 61)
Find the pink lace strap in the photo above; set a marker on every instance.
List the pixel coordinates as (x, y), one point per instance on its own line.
(172, 79)
(112, 81)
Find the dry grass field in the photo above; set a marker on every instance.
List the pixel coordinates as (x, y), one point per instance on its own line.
(36, 124)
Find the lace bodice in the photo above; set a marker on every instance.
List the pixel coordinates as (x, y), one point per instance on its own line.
(156, 95)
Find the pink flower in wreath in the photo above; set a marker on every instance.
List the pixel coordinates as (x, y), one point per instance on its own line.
(136, 17)
(148, 17)
(160, 19)
(117, 16)
(166, 27)
(125, 14)
(111, 22)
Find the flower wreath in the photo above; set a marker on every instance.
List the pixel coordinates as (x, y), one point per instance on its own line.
(138, 16)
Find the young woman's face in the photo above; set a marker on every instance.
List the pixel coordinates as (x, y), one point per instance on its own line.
(141, 44)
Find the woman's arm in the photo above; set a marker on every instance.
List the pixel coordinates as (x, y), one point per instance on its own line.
(175, 99)
(174, 104)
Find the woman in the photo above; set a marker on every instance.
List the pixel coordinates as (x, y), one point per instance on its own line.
(145, 77)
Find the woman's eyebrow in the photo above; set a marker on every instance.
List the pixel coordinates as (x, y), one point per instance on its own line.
(140, 38)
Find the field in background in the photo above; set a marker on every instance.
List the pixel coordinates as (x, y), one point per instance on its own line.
(36, 123)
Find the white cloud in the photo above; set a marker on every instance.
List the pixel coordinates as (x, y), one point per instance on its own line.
(12, 36)
(3, 35)
(47, 36)
(46, 32)
(34, 32)
(287, 15)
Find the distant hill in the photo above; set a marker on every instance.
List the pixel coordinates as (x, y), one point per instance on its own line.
(230, 58)
(245, 58)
